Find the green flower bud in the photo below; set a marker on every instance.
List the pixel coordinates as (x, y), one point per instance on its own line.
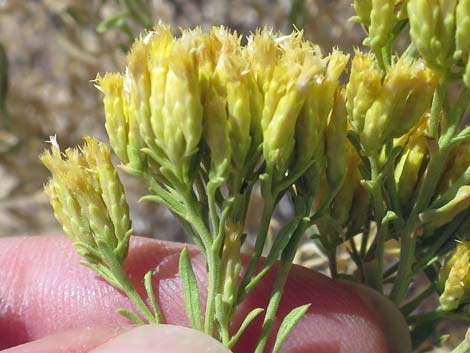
(404, 97)
(458, 162)
(360, 213)
(312, 120)
(462, 23)
(362, 8)
(381, 22)
(454, 278)
(116, 109)
(291, 80)
(138, 86)
(238, 81)
(435, 218)
(88, 199)
(263, 53)
(362, 89)
(98, 158)
(410, 162)
(216, 133)
(342, 207)
(336, 143)
(159, 42)
(432, 30)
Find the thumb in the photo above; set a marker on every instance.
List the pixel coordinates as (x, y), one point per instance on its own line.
(162, 339)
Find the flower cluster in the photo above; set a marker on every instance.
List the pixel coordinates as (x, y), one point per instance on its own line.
(439, 29)
(204, 117)
(88, 199)
(206, 92)
(383, 106)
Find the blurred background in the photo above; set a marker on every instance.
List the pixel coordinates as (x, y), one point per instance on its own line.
(50, 52)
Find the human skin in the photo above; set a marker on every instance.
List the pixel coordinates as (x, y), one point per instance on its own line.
(45, 291)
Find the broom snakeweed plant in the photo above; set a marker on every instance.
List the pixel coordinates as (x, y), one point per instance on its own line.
(202, 120)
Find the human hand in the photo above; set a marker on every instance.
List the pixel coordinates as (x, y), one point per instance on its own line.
(50, 303)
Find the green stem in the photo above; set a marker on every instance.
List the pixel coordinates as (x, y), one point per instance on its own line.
(213, 268)
(408, 240)
(444, 236)
(268, 210)
(127, 287)
(379, 211)
(281, 278)
(213, 260)
(455, 117)
(436, 108)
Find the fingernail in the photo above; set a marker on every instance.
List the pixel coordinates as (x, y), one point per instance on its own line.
(162, 339)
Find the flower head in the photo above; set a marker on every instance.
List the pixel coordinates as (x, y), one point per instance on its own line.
(431, 29)
(384, 108)
(454, 278)
(88, 198)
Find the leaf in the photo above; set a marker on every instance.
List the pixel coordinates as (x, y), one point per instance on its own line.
(114, 21)
(131, 316)
(288, 324)
(248, 319)
(151, 295)
(190, 288)
(281, 241)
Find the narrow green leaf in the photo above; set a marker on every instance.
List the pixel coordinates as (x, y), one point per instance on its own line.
(281, 241)
(151, 295)
(114, 21)
(288, 324)
(190, 291)
(131, 316)
(248, 319)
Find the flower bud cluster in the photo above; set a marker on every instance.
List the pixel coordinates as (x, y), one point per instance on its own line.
(88, 199)
(439, 30)
(383, 106)
(206, 91)
(379, 18)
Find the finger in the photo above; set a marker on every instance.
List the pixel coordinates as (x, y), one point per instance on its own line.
(76, 340)
(44, 291)
(124, 339)
(162, 339)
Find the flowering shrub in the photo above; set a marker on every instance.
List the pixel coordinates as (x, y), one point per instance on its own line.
(376, 155)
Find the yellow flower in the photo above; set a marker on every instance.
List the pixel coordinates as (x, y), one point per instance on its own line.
(410, 162)
(116, 109)
(313, 118)
(88, 198)
(362, 89)
(381, 109)
(382, 20)
(344, 205)
(454, 278)
(432, 29)
(292, 78)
